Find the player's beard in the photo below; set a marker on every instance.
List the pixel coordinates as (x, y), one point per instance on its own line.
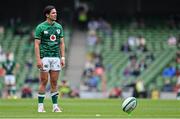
(52, 18)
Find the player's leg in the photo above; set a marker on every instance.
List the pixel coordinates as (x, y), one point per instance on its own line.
(7, 86)
(43, 82)
(42, 88)
(13, 86)
(54, 74)
(54, 90)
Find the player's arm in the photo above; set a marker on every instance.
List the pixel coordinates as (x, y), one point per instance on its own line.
(4, 70)
(16, 68)
(37, 53)
(62, 51)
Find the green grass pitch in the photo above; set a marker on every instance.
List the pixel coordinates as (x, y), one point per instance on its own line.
(89, 109)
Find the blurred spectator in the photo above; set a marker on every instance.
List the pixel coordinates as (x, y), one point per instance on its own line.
(31, 37)
(169, 72)
(98, 47)
(133, 57)
(142, 40)
(2, 55)
(178, 57)
(93, 25)
(178, 87)
(105, 27)
(2, 30)
(82, 9)
(135, 70)
(74, 93)
(172, 40)
(92, 38)
(150, 57)
(93, 82)
(125, 48)
(29, 64)
(142, 48)
(155, 94)
(167, 86)
(89, 67)
(115, 92)
(142, 65)
(141, 92)
(2, 71)
(98, 59)
(26, 92)
(127, 71)
(178, 42)
(10, 67)
(142, 44)
(99, 70)
(132, 42)
(133, 86)
(31, 80)
(178, 63)
(64, 89)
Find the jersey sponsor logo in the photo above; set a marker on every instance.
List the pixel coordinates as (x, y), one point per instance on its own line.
(52, 37)
(45, 32)
(58, 31)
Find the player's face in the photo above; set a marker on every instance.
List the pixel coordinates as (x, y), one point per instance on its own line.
(53, 15)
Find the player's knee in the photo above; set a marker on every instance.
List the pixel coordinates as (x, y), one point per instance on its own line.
(44, 83)
(54, 83)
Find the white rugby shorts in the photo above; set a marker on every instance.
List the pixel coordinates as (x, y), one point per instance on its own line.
(51, 63)
(9, 80)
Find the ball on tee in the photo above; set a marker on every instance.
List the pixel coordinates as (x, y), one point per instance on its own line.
(129, 104)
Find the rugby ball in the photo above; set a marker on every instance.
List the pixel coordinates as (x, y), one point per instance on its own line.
(129, 104)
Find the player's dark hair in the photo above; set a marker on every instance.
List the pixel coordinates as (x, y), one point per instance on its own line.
(48, 9)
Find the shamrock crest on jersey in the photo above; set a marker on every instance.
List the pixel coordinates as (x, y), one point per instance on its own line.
(52, 37)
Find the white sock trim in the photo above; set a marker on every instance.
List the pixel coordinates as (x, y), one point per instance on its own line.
(55, 93)
(41, 95)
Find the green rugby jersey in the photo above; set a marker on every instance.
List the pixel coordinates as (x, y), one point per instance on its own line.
(9, 66)
(50, 35)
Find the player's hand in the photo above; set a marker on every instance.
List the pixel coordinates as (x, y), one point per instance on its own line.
(62, 62)
(39, 64)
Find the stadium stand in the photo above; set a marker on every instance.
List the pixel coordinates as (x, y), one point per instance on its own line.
(156, 53)
(23, 49)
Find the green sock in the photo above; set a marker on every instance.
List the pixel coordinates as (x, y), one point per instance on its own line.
(13, 90)
(54, 97)
(41, 97)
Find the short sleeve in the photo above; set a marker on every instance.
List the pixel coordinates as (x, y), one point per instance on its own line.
(62, 33)
(37, 34)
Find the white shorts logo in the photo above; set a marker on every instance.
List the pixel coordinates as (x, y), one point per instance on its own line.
(52, 37)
